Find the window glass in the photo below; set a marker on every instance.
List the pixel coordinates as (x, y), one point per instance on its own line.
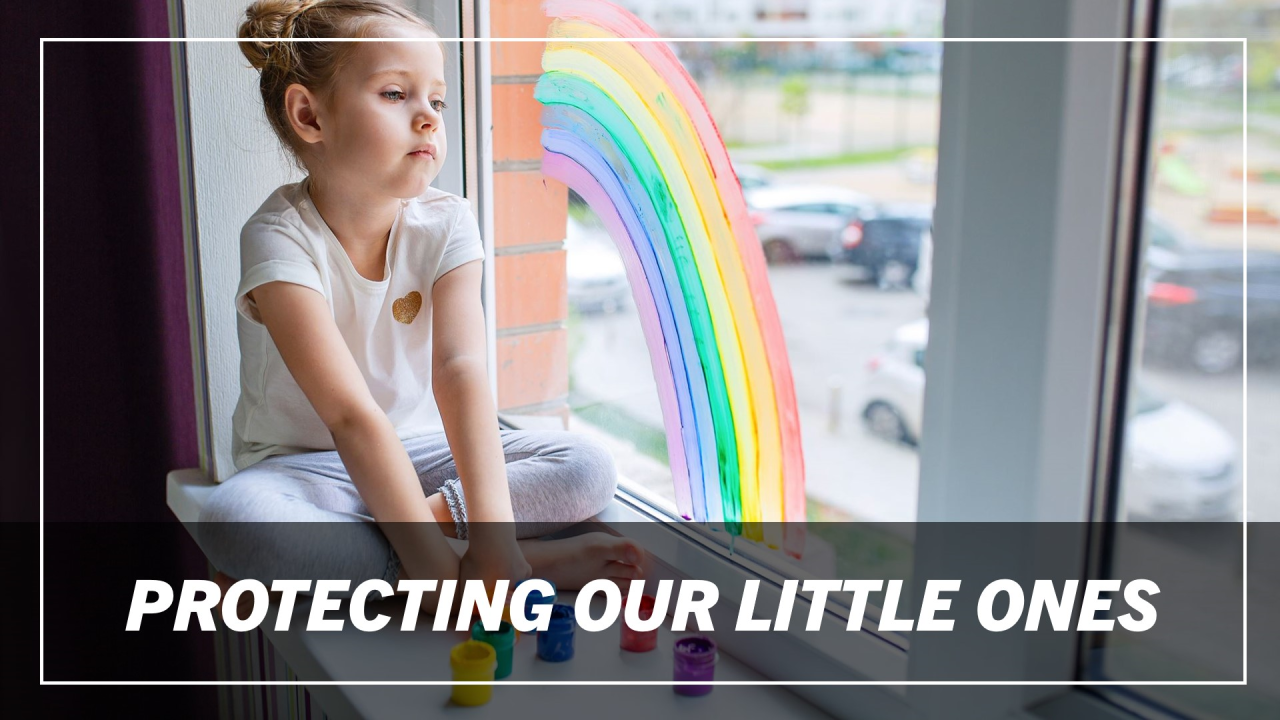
(819, 208)
(1183, 440)
(857, 116)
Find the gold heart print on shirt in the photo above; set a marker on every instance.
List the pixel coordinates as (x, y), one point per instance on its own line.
(405, 309)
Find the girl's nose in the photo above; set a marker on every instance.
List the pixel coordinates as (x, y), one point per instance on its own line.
(429, 117)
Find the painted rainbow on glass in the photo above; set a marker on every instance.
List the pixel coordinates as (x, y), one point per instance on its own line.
(626, 127)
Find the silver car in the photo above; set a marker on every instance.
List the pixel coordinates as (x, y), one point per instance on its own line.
(797, 222)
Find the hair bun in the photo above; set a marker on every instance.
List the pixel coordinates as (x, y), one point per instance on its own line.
(269, 19)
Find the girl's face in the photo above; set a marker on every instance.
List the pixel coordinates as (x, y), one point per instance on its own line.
(386, 128)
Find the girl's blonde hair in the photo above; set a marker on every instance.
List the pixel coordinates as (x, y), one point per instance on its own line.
(314, 65)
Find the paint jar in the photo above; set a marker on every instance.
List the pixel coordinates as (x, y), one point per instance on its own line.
(695, 660)
(555, 644)
(503, 641)
(506, 618)
(472, 660)
(534, 598)
(635, 640)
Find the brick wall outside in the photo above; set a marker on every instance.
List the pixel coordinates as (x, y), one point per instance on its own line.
(529, 226)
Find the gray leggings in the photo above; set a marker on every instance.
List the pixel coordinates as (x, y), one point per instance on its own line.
(301, 517)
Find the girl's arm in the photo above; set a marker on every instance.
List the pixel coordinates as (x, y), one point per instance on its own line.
(303, 329)
(460, 380)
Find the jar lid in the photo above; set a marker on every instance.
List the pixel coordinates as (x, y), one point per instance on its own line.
(696, 649)
(647, 604)
(537, 597)
(473, 655)
(506, 632)
(562, 614)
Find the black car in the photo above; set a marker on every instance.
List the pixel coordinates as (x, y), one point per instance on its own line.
(887, 245)
(1195, 308)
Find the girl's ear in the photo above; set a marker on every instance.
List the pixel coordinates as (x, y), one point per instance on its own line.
(302, 108)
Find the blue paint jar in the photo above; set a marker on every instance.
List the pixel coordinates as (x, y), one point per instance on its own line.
(536, 597)
(555, 644)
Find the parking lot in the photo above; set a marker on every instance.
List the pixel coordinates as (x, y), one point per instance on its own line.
(834, 324)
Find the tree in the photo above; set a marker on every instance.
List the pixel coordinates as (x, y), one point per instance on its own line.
(795, 99)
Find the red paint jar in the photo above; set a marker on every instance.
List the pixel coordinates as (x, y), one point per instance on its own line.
(636, 640)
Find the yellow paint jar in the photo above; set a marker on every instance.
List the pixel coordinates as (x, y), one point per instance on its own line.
(471, 661)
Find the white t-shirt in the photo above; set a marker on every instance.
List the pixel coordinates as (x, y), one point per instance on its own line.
(386, 325)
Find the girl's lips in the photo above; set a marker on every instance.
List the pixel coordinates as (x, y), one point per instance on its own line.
(423, 154)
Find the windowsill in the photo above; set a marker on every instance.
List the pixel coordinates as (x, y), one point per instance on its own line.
(405, 656)
(393, 655)
(832, 650)
(797, 653)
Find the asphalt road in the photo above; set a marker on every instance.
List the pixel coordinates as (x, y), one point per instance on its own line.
(834, 324)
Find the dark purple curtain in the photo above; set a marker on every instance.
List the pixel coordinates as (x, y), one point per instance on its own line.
(118, 396)
(119, 412)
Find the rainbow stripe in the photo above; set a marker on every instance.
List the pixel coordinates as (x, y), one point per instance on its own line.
(626, 128)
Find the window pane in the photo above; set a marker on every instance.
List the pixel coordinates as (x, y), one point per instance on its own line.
(821, 134)
(1184, 430)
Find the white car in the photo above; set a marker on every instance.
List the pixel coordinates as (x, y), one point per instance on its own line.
(895, 385)
(795, 222)
(1179, 463)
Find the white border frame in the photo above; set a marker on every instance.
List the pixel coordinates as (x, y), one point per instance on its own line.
(899, 683)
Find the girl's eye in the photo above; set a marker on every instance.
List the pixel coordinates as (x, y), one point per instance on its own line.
(438, 105)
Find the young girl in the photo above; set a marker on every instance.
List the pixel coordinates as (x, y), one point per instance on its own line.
(364, 393)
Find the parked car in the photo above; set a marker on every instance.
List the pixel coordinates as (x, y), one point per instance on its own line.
(1180, 463)
(895, 386)
(751, 177)
(597, 279)
(796, 222)
(1195, 298)
(888, 244)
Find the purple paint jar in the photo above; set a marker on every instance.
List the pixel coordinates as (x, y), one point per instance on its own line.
(695, 660)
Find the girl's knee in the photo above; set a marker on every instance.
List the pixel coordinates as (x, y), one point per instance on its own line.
(220, 506)
(595, 474)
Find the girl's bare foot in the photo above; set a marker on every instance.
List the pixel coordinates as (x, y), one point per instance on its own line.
(572, 562)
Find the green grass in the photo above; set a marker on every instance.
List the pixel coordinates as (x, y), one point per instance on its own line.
(1266, 103)
(869, 157)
